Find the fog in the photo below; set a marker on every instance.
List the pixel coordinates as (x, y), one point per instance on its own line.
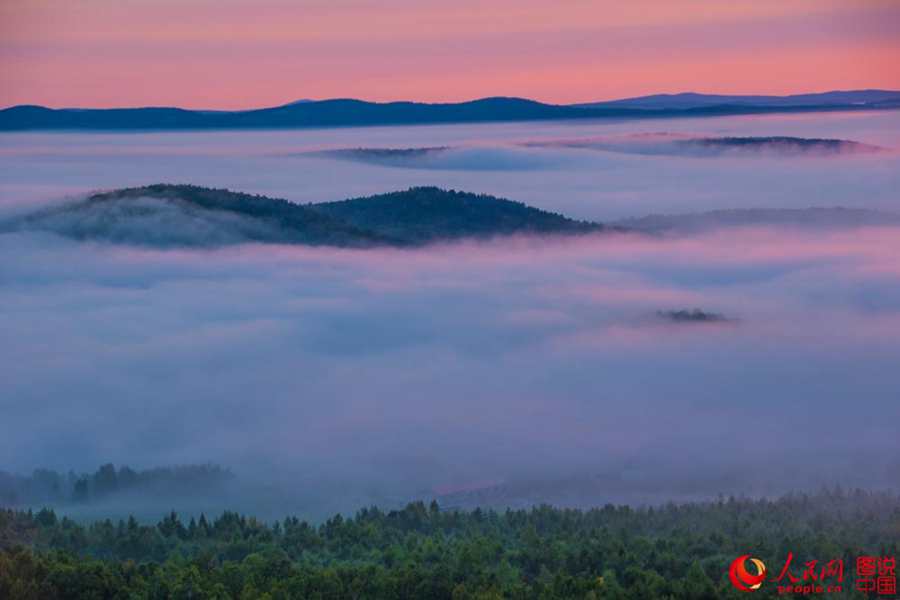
(342, 377)
(582, 183)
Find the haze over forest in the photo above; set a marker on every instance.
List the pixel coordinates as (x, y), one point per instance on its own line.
(680, 359)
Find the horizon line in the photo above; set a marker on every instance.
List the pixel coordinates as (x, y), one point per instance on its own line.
(449, 102)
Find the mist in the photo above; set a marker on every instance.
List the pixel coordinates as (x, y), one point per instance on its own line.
(488, 158)
(342, 377)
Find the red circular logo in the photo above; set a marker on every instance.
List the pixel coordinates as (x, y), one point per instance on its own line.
(741, 578)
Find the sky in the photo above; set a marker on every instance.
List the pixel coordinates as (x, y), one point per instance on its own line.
(226, 54)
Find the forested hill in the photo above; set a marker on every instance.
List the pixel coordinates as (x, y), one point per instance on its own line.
(184, 215)
(424, 214)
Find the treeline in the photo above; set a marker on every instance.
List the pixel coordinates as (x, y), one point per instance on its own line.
(422, 551)
(45, 486)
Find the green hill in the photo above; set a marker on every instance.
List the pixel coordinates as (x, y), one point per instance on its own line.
(185, 215)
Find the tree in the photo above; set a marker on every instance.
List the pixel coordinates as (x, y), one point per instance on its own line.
(81, 492)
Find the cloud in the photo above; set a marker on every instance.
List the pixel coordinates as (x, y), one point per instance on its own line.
(445, 158)
(700, 146)
(598, 186)
(147, 221)
(351, 376)
(397, 371)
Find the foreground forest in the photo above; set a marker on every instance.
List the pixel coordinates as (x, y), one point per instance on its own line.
(422, 551)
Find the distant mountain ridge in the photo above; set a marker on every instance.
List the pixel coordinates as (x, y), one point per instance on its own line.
(693, 100)
(322, 113)
(165, 215)
(351, 112)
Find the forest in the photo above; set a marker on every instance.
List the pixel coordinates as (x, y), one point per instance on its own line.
(422, 551)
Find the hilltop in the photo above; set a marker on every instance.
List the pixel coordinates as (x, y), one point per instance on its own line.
(423, 214)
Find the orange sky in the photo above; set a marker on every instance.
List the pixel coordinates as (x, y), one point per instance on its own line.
(241, 54)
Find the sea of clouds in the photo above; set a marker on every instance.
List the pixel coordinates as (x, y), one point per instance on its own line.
(387, 373)
(498, 159)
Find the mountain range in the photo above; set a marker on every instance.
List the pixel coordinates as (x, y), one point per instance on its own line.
(351, 112)
(692, 100)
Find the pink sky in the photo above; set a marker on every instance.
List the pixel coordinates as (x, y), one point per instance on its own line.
(242, 54)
